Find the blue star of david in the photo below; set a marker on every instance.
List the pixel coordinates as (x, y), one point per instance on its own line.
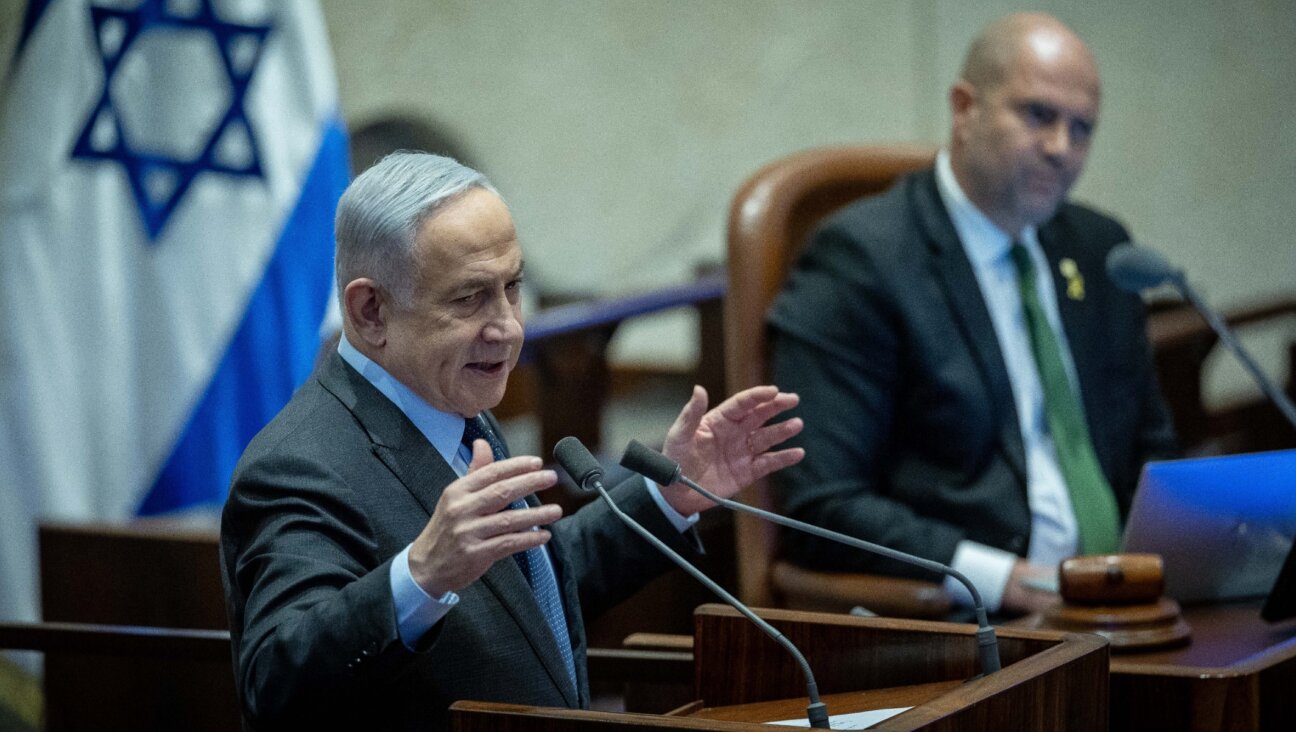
(115, 30)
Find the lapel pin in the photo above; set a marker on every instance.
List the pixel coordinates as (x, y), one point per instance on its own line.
(1074, 280)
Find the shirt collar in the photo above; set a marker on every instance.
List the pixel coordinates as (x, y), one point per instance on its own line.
(983, 241)
(443, 429)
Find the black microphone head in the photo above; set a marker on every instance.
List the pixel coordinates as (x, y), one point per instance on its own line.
(576, 459)
(1135, 269)
(649, 463)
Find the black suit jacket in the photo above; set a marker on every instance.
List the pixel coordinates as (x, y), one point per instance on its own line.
(321, 501)
(911, 434)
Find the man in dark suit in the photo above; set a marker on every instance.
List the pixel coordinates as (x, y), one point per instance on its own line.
(975, 390)
(381, 552)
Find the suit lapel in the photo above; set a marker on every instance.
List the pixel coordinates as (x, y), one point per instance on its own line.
(424, 473)
(1080, 325)
(394, 439)
(953, 272)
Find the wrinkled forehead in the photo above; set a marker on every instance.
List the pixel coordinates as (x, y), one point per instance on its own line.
(1054, 74)
(472, 236)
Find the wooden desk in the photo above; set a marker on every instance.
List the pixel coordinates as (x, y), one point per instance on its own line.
(844, 703)
(1239, 673)
(1050, 681)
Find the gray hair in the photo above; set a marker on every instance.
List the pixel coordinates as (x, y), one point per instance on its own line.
(379, 215)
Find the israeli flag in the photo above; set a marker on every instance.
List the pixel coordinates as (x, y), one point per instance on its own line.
(170, 171)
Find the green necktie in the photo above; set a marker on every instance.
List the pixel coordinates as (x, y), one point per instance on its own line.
(1091, 496)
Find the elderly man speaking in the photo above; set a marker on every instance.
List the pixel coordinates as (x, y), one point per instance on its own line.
(381, 551)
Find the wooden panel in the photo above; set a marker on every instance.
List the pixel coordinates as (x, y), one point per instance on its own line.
(1049, 680)
(470, 716)
(145, 574)
(1053, 682)
(846, 653)
(1237, 674)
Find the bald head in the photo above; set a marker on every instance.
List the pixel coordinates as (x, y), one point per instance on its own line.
(1023, 109)
(1021, 38)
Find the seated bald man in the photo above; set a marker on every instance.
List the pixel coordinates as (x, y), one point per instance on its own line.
(975, 390)
(383, 554)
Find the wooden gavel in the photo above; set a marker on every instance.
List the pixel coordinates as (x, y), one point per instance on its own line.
(1117, 596)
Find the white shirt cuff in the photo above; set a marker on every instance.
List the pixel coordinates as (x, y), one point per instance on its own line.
(416, 610)
(681, 523)
(985, 567)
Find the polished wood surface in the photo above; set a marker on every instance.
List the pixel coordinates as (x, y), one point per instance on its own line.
(846, 703)
(736, 663)
(121, 641)
(1130, 627)
(1239, 673)
(1226, 637)
(1049, 681)
(473, 716)
(1111, 579)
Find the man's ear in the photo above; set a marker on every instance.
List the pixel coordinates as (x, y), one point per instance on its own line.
(962, 99)
(364, 312)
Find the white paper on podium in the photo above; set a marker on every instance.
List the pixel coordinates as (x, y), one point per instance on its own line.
(858, 720)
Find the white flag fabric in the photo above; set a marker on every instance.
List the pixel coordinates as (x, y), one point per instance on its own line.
(168, 176)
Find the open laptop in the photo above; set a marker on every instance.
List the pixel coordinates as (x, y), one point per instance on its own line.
(1222, 525)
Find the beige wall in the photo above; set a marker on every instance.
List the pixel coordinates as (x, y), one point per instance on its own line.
(619, 129)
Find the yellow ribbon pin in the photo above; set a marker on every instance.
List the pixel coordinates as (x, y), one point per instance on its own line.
(1075, 281)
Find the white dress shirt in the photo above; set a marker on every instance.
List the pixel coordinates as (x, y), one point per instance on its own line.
(1054, 535)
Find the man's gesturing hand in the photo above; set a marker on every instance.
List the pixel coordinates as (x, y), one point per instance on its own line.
(729, 447)
(470, 530)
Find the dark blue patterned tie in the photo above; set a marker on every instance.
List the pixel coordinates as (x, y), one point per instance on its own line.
(533, 562)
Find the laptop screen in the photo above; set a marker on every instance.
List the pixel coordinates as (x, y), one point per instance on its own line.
(1223, 525)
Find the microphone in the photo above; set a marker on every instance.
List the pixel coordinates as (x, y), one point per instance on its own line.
(588, 474)
(664, 471)
(1138, 268)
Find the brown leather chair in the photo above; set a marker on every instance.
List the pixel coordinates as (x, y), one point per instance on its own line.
(770, 219)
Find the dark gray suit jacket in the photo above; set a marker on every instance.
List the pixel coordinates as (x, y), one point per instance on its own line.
(911, 434)
(321, 501)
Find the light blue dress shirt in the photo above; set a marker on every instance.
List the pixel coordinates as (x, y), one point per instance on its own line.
(1054, 535)
(417, 611)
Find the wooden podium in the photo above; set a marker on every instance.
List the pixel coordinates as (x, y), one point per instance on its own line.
(1050, 681)
(1238, 673)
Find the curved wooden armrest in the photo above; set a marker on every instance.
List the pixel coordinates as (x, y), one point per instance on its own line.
(804, 589)
(610, 311)
(135, 641)
(644, 665)
(658, 642)
(1175, 324)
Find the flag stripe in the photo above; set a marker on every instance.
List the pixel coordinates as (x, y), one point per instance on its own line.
(35, 9)
(280, 328)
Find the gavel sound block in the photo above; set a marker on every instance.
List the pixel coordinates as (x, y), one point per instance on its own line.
(1118, 596)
